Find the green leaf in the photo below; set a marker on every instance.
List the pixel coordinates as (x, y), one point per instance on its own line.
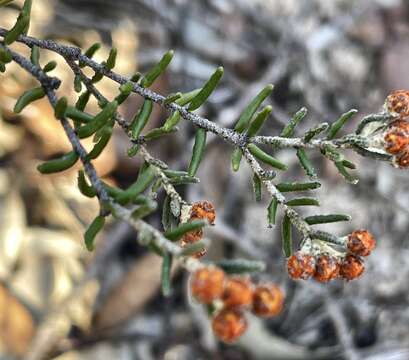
(198, 151)
(272, 212)
(99, 120)
(28, 97)
(347, 176)
(303, 202)
(288, 131)
(5, 55)
(50, 66)
(236, 158)
(165, 274)
(251, 108)
(141, 119)
(306, 164)
(86, 190)
(240, 266)
(172, 98)
(206, 90)
(315, 131)
(294, 186)
(148, 207)
(83, 101)
(20, 27)
(324, 219)
(124, 91)
(194, 248)
(60, 164)
(90, 52)
(257, 187)
(102, 143)
(60, 107)
(78, 115)
(77, 83)
(176, 233)
(287, 236)
(258, 121)
(35, 55)
(145, 178)
(157, 70)
(93, 229)
(110, 63)
(266, 158)
(337, 125)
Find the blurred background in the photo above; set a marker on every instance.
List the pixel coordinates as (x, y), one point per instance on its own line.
(59, 301)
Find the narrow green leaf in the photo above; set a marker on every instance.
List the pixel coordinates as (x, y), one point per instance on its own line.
(174, 173)
(348, 164)
(165, 274)
(306, 164)
(145, 209)
(60, 107)
(5, 55)
(77, 83)
(337, 125)
(172, 98)
(60, 164)
(166, 214)
(90, 52)
(324, 219)
(28, 97)
(251, 108)
(303, 202)
(236, 159)
(194, 248)
(257, 187)
(83, 101)
(206, 90)
(157, 70)
(176, 233)
(198, 151)
(288, 131)
(136, 77)
(99, 120)
(141, 119)
(272, 212)
(315, 131)
(241, 266)
(294, 186)
(184, 180)
(20, 27)
(78, 115)
(258, 121)
(266, 158)
(110, 63)
(347, 176)
(93, 229)
(102, 143)
(287, 236)
(83, 186)
(124, 91)
(50, 66)
(145, 178)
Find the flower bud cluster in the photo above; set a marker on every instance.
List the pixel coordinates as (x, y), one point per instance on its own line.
(396, 136)
(231, 297)
(201, 210)
(325, 264)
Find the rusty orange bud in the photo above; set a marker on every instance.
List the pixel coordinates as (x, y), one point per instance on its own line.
(203, 210)
(229, 324)
(361, 242)
(397, 102)
(237, 292)
(327, 268)
(352, 267)
(301, 266)
(397, 137)
(268, 301)
(403, 160)
(207, 284)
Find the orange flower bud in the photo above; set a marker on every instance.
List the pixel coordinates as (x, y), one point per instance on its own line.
(352, 267)
(237, 292)
(403, 160)
(361, 242)
(327, 268)
(267, 301)
(398, 102)
(396, 141)
(203, 210)
(301, 266)
(207, 284)
(191, 237)
(229, 324)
